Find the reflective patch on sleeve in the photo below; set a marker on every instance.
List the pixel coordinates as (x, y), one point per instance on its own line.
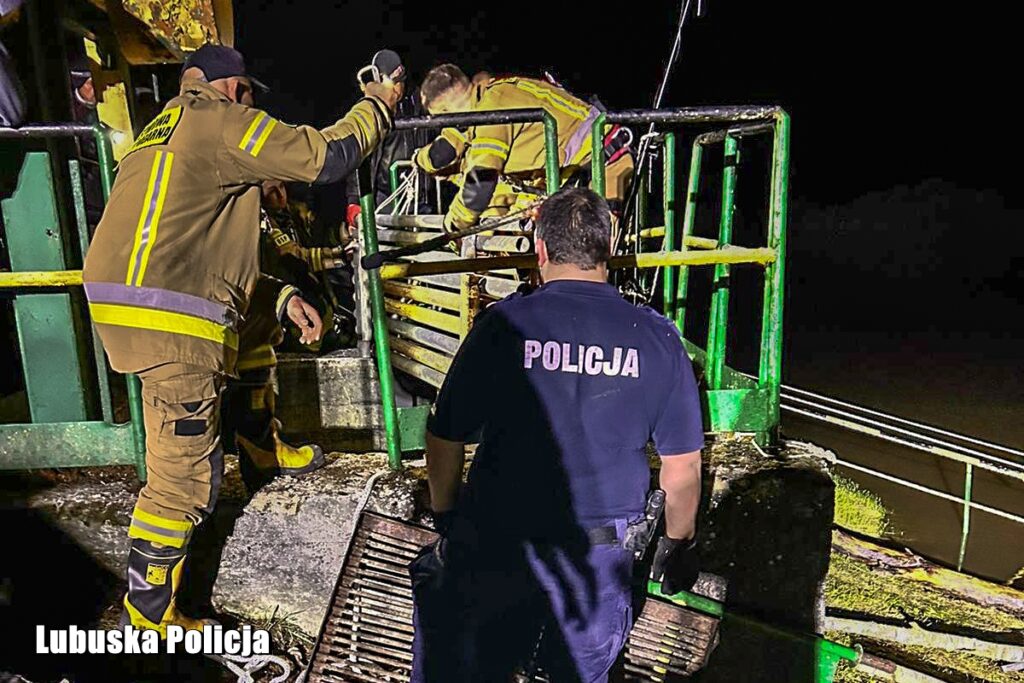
(149, 218)
(257, 134)
(158, 131)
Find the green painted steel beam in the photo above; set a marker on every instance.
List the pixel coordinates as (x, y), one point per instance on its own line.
(737, 410)
(718, 328)
(65, 444)
(381, 345)
(46, 328)
(412, 423)
(669, 244)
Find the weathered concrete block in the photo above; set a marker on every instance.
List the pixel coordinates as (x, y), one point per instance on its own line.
(333, 399)
(286, 550)
(766, 528)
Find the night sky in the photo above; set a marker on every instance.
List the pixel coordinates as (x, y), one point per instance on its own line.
(905, 210)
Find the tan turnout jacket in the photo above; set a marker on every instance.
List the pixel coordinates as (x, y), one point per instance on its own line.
(175, 258)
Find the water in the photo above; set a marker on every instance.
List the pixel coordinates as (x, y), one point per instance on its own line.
(970, 383)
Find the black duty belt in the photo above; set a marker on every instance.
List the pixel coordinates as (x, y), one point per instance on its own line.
(603, 535)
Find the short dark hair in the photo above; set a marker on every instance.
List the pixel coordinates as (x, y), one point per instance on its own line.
(575, 224)
(440, 80)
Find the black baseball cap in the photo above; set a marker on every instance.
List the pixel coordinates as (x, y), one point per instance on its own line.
(389, 64)
(220, 61)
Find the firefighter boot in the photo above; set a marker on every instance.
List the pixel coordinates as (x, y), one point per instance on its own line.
(273, 456)
(154, 576)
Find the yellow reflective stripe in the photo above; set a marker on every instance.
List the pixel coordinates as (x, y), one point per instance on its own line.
(247, 138)
(156, 520)
(163, 321)
(556, 100)
(155, 220)
(462, 211)
(263, 137)
(260, 357)
(147, 535)
(492, 141)
(484, 151)
(459, 136)
(142, 218)
(363, 123)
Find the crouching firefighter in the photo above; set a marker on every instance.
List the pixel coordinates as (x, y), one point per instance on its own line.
(170, 273)
(487, 153)
(537, 542)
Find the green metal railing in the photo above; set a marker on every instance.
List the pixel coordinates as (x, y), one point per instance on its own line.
(827, 654)
(734, 402)
(411, 421)
(76, 443)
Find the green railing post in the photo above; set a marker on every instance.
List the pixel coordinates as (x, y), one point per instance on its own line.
(99, 357)
(689, 216)
(596, 158)
(965, 532)
(719, 319)
(105, 154)
(669, 243)
(552, 165)
(381, 345)
(393, 175)
(770, 370)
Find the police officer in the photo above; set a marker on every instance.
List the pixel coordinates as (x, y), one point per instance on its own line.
(488, 152)
(170, 273)
(577, 382)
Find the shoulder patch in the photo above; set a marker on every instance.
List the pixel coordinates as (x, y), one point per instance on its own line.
(158, 131)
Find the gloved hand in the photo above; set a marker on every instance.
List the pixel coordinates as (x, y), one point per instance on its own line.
(421, 159)
(450, 224)
(676, 565)
(443, 521)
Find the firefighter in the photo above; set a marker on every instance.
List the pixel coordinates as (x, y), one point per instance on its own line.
(535, 555)
(170, 274)
(516, 150)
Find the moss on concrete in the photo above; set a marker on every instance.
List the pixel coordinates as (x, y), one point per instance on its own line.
(853, 587)
(859, 510)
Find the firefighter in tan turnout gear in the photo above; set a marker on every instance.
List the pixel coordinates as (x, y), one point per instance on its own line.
(169, 276)
(490, 154)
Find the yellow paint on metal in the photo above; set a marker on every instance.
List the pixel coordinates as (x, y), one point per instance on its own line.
(112, 109)
(420, 354)
(424, 295)
(181, 25)
(690, 241)
(54, 278)
(418, 370)
(427, 316)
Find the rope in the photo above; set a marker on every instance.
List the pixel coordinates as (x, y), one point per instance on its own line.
(253, 665)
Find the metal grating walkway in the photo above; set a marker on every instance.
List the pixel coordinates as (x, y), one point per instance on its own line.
(367, 636)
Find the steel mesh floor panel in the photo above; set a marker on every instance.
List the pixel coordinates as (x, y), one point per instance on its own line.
(367, 635)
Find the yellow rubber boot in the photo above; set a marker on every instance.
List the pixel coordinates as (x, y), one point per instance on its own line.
(154, 577)
(279, 457)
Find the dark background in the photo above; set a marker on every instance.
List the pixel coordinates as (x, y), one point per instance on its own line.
(904, 201)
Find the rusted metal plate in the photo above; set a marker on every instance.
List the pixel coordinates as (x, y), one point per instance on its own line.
(367, 636)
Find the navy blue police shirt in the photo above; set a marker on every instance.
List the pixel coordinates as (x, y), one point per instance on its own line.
(565, 387)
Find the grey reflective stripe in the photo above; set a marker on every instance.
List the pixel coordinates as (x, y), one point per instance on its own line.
(254, 138)
(154, 202)
(172, 533)
(161, 300)
(575, 142)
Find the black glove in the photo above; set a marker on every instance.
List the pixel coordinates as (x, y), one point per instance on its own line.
(443, 521)
(676, 565)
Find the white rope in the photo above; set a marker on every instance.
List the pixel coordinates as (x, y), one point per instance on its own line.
(253, 665)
